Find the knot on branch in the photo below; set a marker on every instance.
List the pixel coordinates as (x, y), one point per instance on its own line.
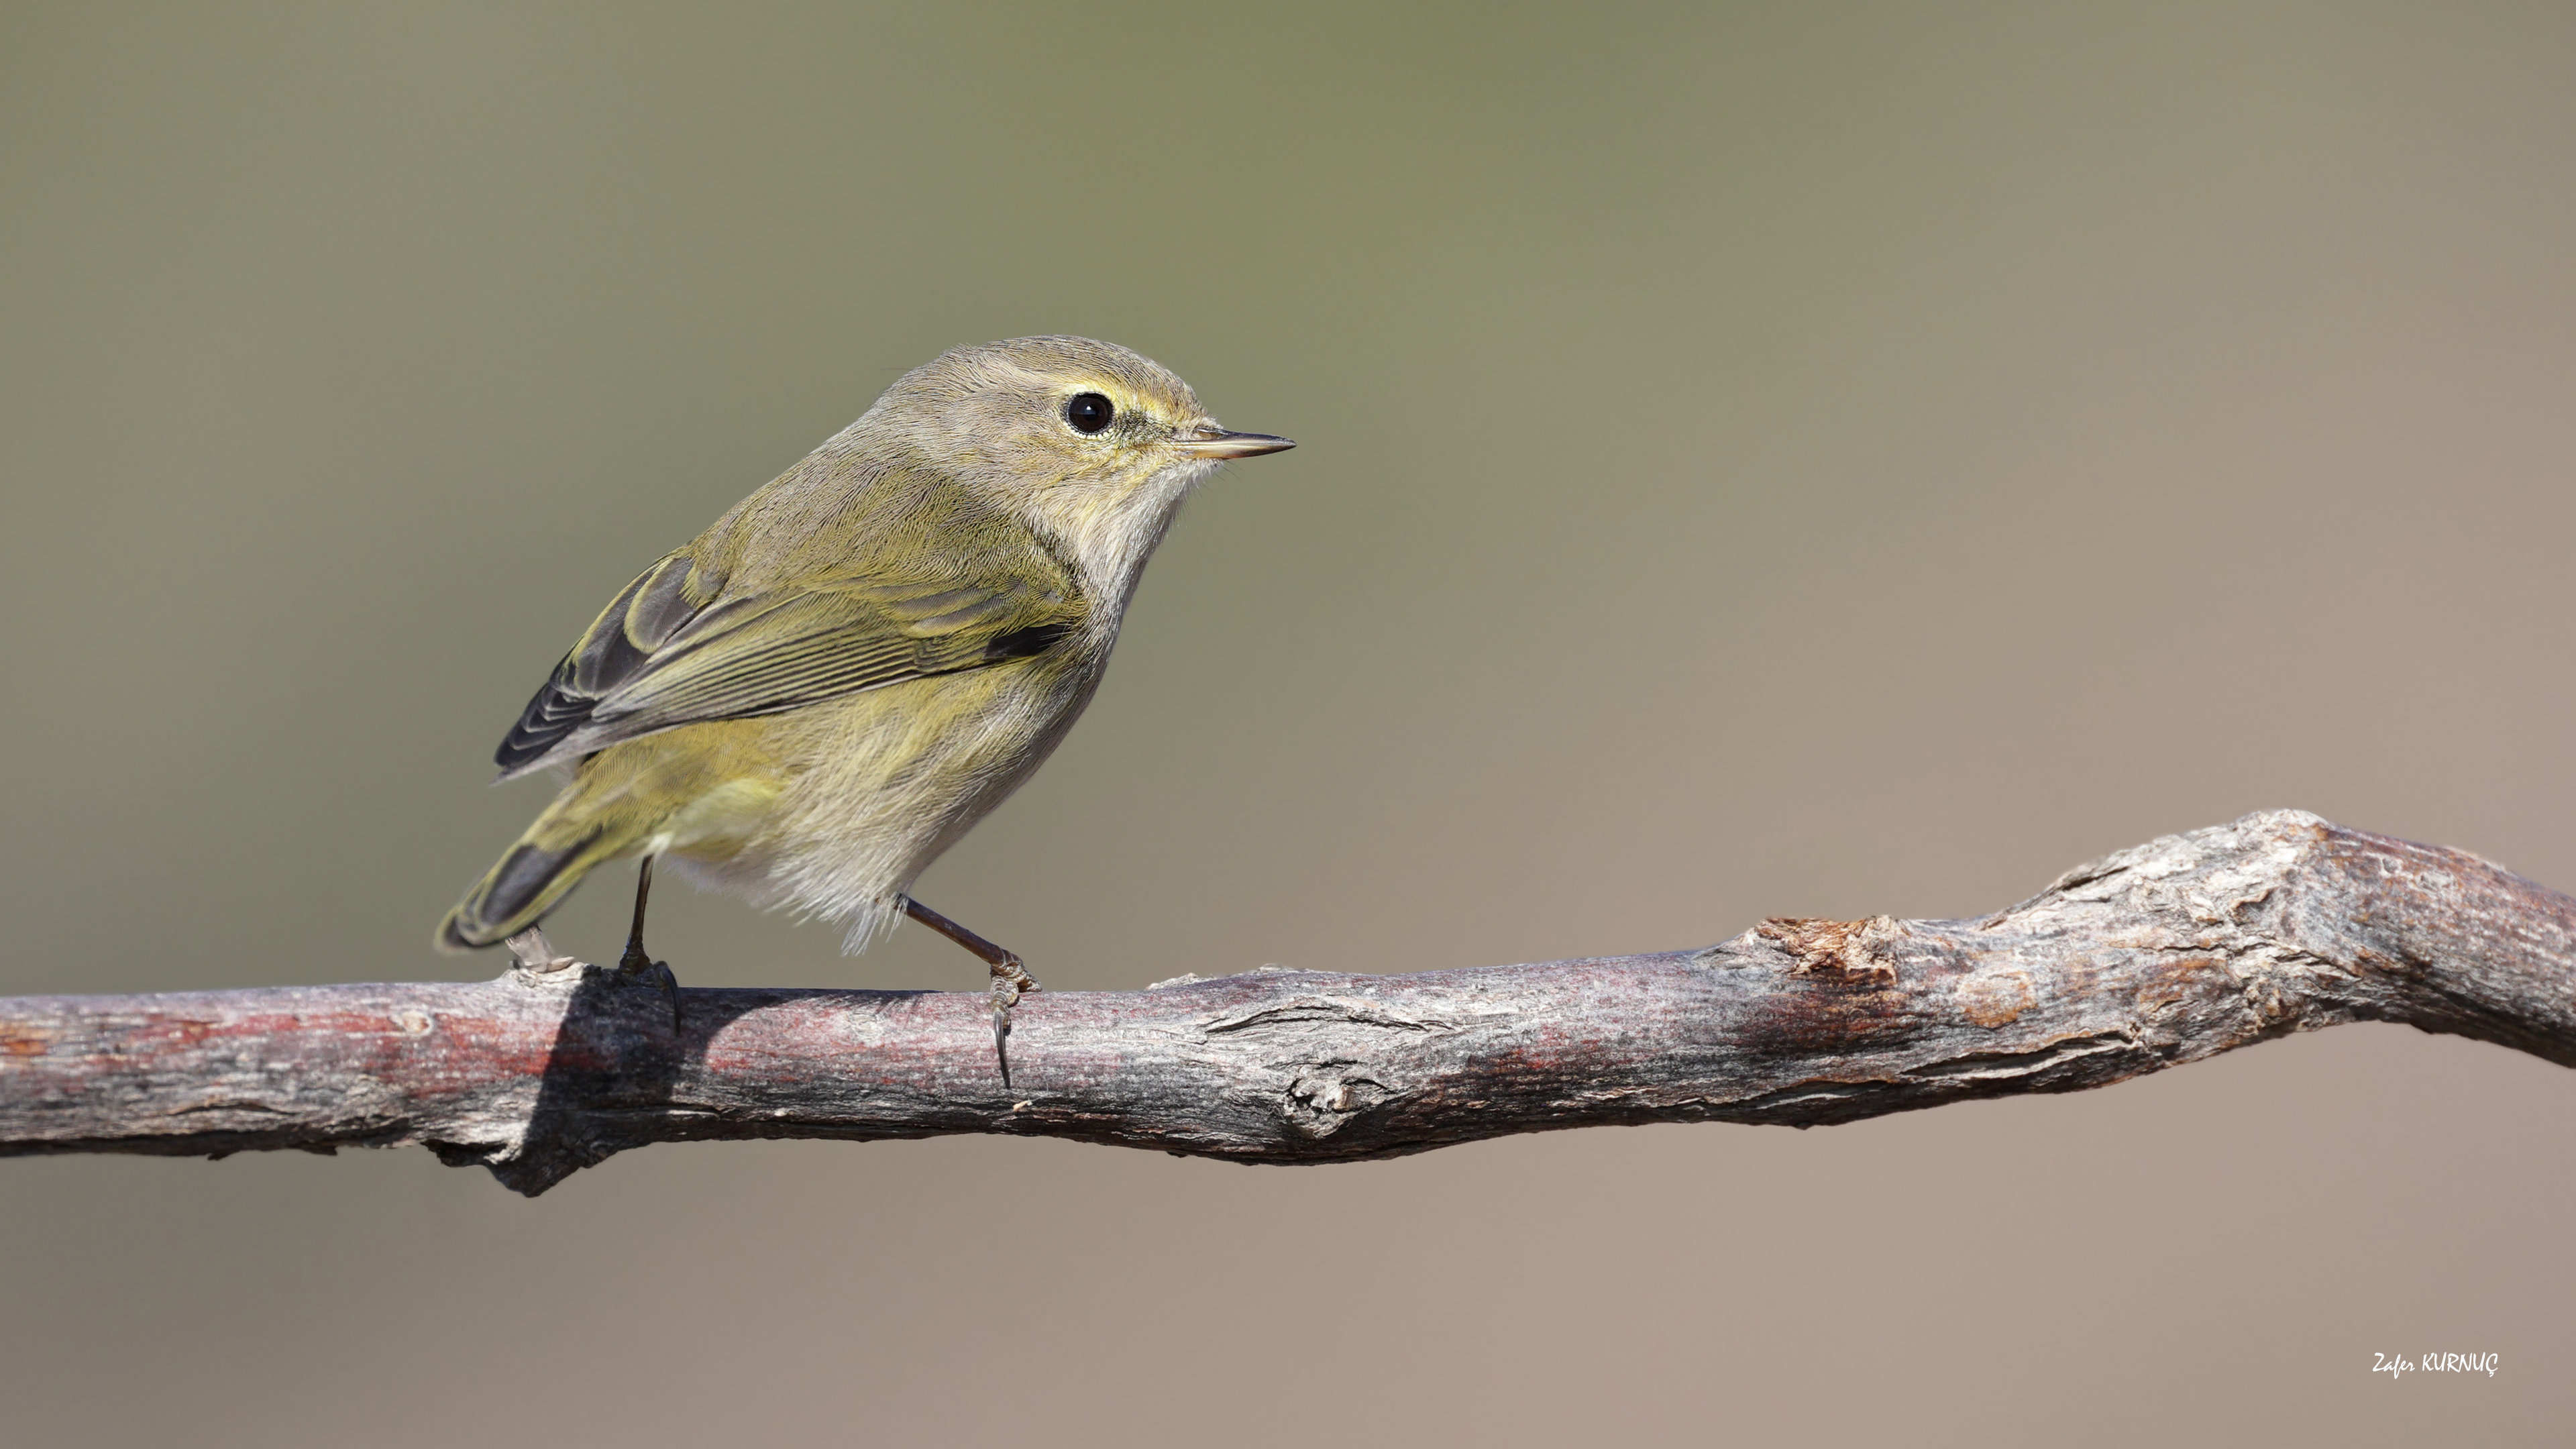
(1837, 948)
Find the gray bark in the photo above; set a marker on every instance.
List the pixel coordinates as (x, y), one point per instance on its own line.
(2176, 950)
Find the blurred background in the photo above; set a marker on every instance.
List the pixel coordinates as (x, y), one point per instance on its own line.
(1760, 460)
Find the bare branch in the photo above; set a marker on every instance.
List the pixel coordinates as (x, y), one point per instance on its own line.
(2179, 949)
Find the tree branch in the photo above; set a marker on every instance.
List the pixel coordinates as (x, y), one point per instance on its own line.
(2176, 950)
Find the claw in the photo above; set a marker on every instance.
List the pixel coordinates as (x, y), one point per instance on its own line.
(1001, 1034)
(670, 984)
(1009, 982)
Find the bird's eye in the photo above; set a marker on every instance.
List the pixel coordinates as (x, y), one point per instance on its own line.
(1089, 412)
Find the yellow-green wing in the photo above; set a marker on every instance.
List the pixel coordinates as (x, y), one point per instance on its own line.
(664, 654)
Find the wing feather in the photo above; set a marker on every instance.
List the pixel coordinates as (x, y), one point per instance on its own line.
(664, 653)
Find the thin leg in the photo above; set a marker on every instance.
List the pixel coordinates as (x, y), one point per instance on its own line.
(1009, 980)
(639, 962)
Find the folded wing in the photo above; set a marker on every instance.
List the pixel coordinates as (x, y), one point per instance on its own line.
(665, 652)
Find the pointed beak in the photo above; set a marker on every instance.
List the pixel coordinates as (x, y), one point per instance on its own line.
(1209, 441)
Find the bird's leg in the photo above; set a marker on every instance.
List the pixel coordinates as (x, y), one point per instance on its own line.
(639, 962)
(1009, 980)
(637, 959)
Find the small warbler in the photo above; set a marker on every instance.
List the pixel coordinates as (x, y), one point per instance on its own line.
(831, 685)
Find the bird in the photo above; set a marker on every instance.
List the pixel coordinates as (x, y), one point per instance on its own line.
(810, 701)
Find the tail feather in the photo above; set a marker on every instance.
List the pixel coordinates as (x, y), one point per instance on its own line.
(526, 883)
(617, 802)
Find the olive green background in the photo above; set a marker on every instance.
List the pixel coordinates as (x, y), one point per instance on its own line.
(1806, 460)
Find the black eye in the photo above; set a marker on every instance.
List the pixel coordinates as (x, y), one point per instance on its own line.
(1089, 412)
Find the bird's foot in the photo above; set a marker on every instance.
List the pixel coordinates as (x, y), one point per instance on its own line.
(1010, 982)
(637, 965)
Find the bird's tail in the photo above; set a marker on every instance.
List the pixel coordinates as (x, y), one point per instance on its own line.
(533, 876)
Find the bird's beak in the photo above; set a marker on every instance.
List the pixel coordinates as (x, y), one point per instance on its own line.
(1209, 441)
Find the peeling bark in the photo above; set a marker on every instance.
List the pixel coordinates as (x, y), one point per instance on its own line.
(2179, 949)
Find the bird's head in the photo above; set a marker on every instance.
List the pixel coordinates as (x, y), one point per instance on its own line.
(1085, 438)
